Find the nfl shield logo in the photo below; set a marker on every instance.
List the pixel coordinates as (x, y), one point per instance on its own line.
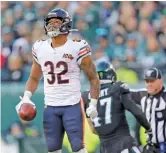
(149, 73)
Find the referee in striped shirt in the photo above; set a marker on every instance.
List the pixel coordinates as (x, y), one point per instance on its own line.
(153, 104)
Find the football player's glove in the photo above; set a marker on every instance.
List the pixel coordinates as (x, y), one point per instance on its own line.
(25, 99)
(91, 111)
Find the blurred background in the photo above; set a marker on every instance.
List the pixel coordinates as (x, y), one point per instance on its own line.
(130, 35)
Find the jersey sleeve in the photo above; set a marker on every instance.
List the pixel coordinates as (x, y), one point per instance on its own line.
(135, 110)
(34, 52)
(137, 95)
(124, 89)
(83, 51)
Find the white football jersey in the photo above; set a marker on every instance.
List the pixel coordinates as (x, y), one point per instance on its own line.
(61, 71)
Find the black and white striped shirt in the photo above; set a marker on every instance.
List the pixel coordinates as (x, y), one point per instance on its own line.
(154, 108)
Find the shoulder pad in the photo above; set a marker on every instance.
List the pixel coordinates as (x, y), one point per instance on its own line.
(123, 87)
(115, 86)
(82, 48)
(37, 44)
(83, 42)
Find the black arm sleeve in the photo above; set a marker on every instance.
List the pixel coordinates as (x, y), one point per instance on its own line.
(135, 110)
(137, 95)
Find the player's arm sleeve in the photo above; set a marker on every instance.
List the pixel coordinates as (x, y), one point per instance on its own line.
(135, 110)
(136, 95)
(83, 51)
(34, 53)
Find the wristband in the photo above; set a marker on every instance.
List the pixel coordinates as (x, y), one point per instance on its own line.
(93, 102)
(28, 94)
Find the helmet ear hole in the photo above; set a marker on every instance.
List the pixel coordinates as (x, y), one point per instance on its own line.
(111, 75)
(113, 79)
(63, 28)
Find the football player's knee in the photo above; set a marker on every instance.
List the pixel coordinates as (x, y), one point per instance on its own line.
(52, 146)
(76, 145)
(58, 151)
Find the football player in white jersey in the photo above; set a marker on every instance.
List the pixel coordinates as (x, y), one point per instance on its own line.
(60, 61)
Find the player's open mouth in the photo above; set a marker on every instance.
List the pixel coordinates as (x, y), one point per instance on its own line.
(52, 28)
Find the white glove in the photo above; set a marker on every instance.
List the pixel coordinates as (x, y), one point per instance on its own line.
(91, 111)
(25, 99)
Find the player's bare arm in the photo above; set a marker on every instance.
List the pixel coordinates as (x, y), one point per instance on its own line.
(91, 126)
(90, 71)
(34, 77)
(31, 86)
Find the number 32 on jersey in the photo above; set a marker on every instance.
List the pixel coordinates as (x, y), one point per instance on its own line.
(106, 103)
(52, 79)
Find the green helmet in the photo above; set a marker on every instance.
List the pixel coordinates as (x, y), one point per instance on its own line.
(106, 71)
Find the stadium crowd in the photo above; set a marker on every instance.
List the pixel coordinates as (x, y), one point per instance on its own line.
(131, 35)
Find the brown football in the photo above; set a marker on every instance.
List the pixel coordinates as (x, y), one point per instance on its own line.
(27, 112)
